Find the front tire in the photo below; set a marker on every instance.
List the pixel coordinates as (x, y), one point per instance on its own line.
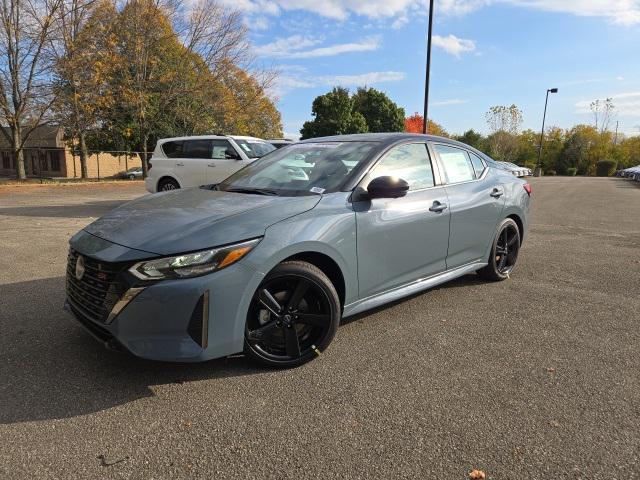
(168, 184)
(293, 316)
(504, 252)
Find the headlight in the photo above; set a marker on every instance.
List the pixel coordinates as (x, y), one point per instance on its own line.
(192, 264)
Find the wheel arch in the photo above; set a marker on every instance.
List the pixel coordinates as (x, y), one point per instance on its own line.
(166, 177)
(516, 218)
(328, 266)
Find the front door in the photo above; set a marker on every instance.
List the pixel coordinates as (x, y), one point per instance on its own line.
(224, 162)
(401, 240)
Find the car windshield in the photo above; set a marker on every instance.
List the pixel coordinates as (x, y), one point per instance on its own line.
(255, 148)
(301, 169)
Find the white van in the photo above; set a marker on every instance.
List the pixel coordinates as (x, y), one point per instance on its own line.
(192, 161)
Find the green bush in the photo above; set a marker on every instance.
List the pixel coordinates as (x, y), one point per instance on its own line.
(550, 172)
(606, 168)
(571, 171)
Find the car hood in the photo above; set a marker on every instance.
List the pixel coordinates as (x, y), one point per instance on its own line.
(194, 219)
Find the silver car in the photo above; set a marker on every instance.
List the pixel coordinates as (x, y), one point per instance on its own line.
(269, 261)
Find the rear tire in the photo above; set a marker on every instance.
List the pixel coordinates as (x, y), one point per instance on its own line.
(504, 252)
(168, 184)
(293, 316)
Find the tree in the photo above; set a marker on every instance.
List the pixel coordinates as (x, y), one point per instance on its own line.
(603, 113)
(473, 139)
(85, 68)
(504, 123)
(333, 115)
(26, 95)
(414, 123)
(378, 110)
(577, 150)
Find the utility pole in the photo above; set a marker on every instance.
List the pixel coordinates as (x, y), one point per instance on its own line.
(428, 72)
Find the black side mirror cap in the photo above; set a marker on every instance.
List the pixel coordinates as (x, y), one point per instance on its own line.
(387, 187)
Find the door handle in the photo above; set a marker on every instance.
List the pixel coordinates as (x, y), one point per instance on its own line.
(179, 164)
(211, 164)
(496, 193)
(437, 207)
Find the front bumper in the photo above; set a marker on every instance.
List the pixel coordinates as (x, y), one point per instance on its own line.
(159, 323)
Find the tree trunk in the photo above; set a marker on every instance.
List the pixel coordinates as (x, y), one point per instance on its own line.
(144, 155)
(84, 154)
(18, 153)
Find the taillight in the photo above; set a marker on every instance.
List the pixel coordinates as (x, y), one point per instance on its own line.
(527, 188)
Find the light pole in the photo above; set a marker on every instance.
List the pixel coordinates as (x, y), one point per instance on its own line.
(426, 81)
(538, 171)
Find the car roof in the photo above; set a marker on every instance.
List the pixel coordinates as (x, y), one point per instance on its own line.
(393, 137)
(211, 137)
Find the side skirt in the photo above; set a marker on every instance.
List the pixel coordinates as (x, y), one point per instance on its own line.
(409, 289)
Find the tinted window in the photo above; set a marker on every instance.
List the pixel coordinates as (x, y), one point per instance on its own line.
(172, 149)
(409, 162)
(197, 149)
(478, 165)
(222, 150)
(456, 163)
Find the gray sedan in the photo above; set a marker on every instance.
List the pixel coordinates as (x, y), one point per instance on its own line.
(269, 261)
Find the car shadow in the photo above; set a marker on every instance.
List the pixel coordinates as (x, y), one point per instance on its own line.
(81, 210)
(52, 369)
(460, 282)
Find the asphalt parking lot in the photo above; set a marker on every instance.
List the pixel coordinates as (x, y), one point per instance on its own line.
(537, 377)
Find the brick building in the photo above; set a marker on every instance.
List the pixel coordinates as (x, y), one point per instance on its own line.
(47, 155)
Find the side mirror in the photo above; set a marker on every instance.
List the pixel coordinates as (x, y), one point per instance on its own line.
(387, 187)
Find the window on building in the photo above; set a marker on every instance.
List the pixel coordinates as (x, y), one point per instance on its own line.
(55, 160)
(6, 160)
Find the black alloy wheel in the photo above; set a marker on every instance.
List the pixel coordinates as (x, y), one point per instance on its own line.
(504, 252)
(293, 316)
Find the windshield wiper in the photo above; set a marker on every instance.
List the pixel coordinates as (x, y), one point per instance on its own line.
(256, 191)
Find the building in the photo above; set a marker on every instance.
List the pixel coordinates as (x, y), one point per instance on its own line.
(47, 155)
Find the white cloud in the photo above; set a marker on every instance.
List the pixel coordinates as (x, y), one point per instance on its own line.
(298, 46)
(620, 78)
(626, 104)
(454, 45)
(293, 77)
(623, 12)
(362, 79)
(451, 101)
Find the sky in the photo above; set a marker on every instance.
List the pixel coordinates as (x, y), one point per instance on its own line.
(485, 53)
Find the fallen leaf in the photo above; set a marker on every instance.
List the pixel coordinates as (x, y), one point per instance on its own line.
(477, 475)
(551, 369)
(553, 423)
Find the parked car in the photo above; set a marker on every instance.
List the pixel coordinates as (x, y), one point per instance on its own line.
(516, 170)
(269, 260)
(132, 174)
(192, 161)
(280, 142)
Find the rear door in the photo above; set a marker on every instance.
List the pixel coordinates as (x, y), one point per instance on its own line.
(404, 239)
(476, 200)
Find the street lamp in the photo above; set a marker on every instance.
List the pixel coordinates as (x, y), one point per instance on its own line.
(426, 81)
(538, 171)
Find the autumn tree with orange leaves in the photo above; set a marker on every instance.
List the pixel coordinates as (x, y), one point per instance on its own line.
(413, 124)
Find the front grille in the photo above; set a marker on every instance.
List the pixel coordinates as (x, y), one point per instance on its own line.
(98, 290)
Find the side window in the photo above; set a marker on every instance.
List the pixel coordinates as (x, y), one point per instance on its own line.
(173, 149)
(478, 164)
(409, 162)
(456, 163)
(197, 148)
(222, 150)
